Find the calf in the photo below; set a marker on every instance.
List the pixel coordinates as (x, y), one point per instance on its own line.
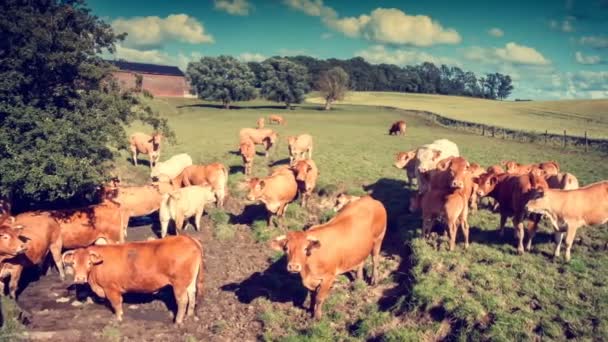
(563, 181)
(512, 192)
(569, 209)
(143, 143)
(306, 173)
(43, 234)
(341, 245)
(247, 150)
(181, 204)
(264, 136)
(214, 175)
(172, 167)
(273, 118)
(260, 123)
(406, 160)
(12, 243)
(143, 267)
(298, 147)
(275, 191)
(343, 200)
(397, 128)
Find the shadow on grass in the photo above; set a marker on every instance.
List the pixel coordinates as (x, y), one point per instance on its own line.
(284, 161)
(144, 162)
(251, 213)
(232, 107)
(235, 153)
(233, 169)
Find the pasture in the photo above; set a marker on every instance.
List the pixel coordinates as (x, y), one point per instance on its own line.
(424, 292)
(574, 116)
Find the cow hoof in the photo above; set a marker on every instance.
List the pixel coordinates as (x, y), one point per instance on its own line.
(520, 251)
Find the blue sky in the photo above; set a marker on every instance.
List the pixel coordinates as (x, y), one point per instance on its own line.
(552, 49)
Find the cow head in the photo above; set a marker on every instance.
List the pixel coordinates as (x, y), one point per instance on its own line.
(298, 246)
(271, 139)
(486, 183)
(11, 242)
(511, 166)
(82, 261)
(537, 180)
(428, 160)
(495, 169)
(402, 159)
(301, 170)
(537, 201)
(256, 188)
(156, 140)
(342, 200)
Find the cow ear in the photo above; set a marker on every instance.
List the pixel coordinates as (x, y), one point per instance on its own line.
(68, 257)
(262, 184)
(95, 258)
(278, 243)
(313, 243)
(476, 180)
(309, 168)
(493, 180)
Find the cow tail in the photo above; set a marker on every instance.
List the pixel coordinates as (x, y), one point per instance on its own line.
(200, 275)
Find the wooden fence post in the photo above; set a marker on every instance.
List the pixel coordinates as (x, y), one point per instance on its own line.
(564, 138)
(586, 142)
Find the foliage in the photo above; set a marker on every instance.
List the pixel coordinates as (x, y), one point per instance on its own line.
(284, 81)
(333, 85)
(61, 116)
(222, 78)
(9, 318)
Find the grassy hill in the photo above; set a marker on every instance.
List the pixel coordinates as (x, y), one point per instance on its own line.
(575, 116)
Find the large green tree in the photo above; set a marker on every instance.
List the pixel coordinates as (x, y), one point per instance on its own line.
(222, 78)
(333, 85)
(62, 117)
(284, 81)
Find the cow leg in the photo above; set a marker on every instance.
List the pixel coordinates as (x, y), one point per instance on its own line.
(115, 299)
(270, 224)
(427, 226)
(197, 219)
(322, 293)
(15, 273)
(179, 223)
(134, 152)
(164, 226)
(376, 258)
(56, 248)
(359, 273)
(532, 227)
(304, 199)
(181, 298)
(519, 234)
(503, 221)
(558, 236)
(570, 234)
(452, 230)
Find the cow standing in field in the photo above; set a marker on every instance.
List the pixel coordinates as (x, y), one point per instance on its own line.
(260, 123)
(214, 175)
(407, 161)
(172, 167)
(247, 151)
(512, 192)
(275, 191)
(306, 173)
(43, 234)
(397, 128)
(427, 157)
(181, 204)
(279, 120)
(145, 144)
(143, 267)
(299, 146)
(266, 137)
(569, 209)
(341, 245)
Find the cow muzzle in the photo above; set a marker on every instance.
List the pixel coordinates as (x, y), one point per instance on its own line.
(78, 279)
(294, 267)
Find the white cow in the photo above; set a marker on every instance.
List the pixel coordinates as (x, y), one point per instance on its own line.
(427, 157)
(182, 204)
(172, 167)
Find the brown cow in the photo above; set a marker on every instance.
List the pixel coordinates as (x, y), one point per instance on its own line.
(247, 150)
(341, 245)
(569, 209)
(298, 147)
(11, 241)
(343, 199)
(143, 143)
(512, 192)
(273, 118)
(476, 170)
(397, 128)
(563, 181)
(547, 168)
(43, 234)
(265, 136)
(407, 161)
(260, 123)
(306, 173)
(214, 175)
(144, 267)
(275, 191)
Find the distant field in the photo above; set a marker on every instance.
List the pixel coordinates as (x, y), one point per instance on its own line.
(575, 116)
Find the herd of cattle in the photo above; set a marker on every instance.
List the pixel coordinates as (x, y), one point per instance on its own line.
(449, 187)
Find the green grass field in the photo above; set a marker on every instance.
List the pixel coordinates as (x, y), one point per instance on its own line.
(427, 293)
(574, 116)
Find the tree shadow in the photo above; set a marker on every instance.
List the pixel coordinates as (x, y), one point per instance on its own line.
(284, 161)
(274, 284)
(232, 107)
(250, 213)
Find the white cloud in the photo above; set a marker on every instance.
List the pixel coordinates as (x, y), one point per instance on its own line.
(384, 25)
(327, 35)
(234, 7)
(511, 52)
(597, 42)
(252, 57)
(587, 59)
(496, 32)
(294, 52)
(155, 56)
(378, 54)
(153, 31)
(565, 25)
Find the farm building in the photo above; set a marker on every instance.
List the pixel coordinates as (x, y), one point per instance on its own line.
(160, 80)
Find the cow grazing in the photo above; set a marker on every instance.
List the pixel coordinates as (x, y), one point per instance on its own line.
(279, 120)
(343, 199)
(512, 192)
(143, 267)
(145, 144)
(299, 146)
(397, 128)
(427, 157)
(569, 209)
(260, 123)
(406, 160)
(563, 181)
(172, 167)
(265, 136)
(43, 234)
(546, 168)
(341, 245)
(214, 175)
(275, 191)
(181, 204)
(247, 150)
(306, 173)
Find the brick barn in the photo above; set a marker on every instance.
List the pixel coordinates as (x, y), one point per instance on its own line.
(160, 80)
